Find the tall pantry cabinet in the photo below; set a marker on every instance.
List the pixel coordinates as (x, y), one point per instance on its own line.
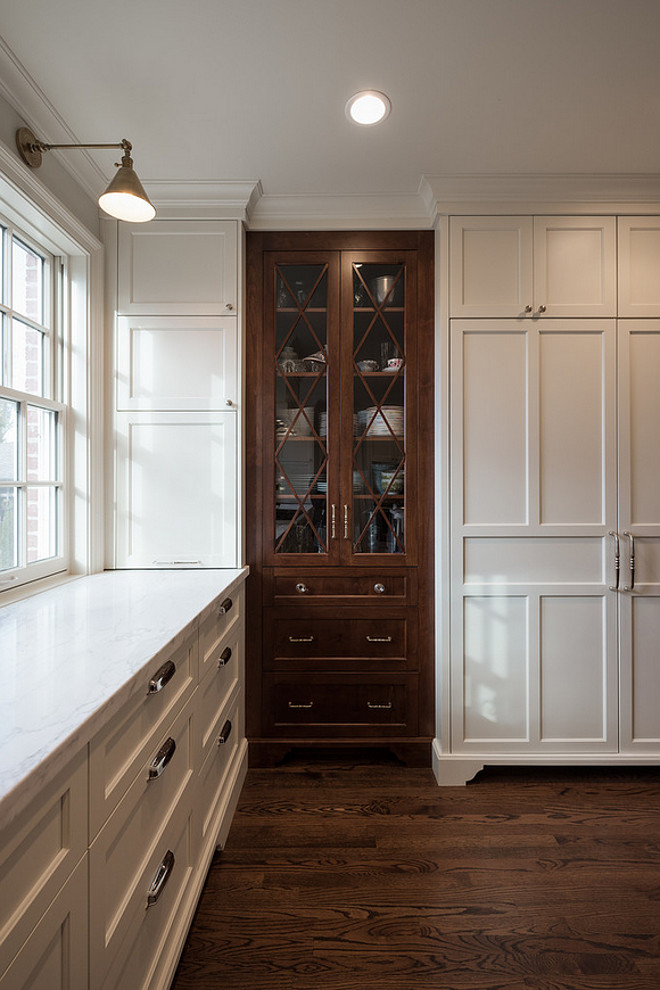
(177, 395)
(555, 510)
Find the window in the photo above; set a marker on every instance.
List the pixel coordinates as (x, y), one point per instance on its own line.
(32, 410)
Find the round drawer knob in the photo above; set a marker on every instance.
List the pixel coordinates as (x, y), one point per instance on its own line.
(379, 589)
(301, 589)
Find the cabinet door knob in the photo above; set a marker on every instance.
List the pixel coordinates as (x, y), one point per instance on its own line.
(229, 306)
(528, 309)
(301, 589)
(230, 402)
(541, 309)
(379, 588)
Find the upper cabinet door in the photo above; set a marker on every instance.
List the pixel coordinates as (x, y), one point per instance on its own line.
(174, 267)
(491, 266)
(639, 266)
(574, 266)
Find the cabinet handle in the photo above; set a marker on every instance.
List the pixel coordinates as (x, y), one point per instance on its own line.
(617, 561)
(301, 639)
(541, 309)
(379, 639)
(301, 589)
(161, 677)
(333, 523)
(631, 586)
(225, 606)
(177, 563)
(370, 704)
(162, 876)
(225, 733)
(379, 589)
(345, 522)
(229, 306)
(528, 309)
(310, 704)
(161, 759)
(224, 657)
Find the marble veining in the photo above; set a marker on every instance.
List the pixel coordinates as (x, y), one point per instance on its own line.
(71, 656)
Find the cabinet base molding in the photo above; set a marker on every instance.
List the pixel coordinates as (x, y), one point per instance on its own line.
(458, 770)
(264, 753)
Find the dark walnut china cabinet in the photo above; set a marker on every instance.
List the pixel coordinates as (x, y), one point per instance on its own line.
(340, 492)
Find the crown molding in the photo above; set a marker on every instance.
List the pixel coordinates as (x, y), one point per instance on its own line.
(587, 193)
(348, 212)
(212, 199)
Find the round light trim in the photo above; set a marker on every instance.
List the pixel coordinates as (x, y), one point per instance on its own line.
(368, 107)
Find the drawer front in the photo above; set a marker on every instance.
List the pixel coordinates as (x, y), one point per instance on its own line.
(118, 853)
(152, 931)
(337, 586)
(341, 705)
(225, 738)
(226, 616)
(220, 681)
(339, 639)
(38, 851)
(119, 750)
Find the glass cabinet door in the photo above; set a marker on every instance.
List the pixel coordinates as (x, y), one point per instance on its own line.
(378, 366)
(300, 440)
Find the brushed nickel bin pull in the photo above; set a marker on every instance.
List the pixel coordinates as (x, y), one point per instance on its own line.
(631, 562)
(310, 704)
(162, 876)
(617, 561)
(225, 606)
(301, 639)
(161, 677)
(161, 759)
(372, 705)
(379, 639)
(225, 733)
(224, 657)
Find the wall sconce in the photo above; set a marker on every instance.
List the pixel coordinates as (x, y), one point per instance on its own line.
(124, 198)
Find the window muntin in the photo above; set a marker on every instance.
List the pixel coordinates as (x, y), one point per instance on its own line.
(32, 415)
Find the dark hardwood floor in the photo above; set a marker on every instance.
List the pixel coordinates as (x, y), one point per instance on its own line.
(346, 876)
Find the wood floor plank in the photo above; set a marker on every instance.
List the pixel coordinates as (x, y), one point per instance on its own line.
(339, 875)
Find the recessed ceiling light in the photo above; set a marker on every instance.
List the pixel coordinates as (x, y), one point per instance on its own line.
(368, 107)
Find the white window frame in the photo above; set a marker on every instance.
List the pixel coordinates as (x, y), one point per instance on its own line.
(42, 222)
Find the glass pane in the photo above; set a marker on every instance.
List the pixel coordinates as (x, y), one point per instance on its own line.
(41, 523)
(379, 408)
(27, 282)
(41, 450)
(8, 528)
(27, 359)
(8, 440)
(301, 389)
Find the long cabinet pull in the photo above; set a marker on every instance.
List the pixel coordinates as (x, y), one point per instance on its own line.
(225, 733)
(631, 586)
(310, 704)
(372, 705)
(162, 876)
(301, 639)
(333, 522)
(161, 677)
(617, 561)
(379, 639)
(345, 522)
(224, 657)
(161, 759)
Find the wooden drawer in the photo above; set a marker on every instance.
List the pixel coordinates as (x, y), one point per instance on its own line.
(225, 739)
(341, 705)
(40, 849)
(132, 836)
(340, 639)
(153, 934)
(227, 614)
(338, 586)
(121, 748)
(54, 955)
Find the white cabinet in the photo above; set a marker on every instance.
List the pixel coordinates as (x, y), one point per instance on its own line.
(178, 267)
(533, 266)
(533, 481)
(639, 266)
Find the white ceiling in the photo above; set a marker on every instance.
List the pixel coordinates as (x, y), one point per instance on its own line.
(216, 90)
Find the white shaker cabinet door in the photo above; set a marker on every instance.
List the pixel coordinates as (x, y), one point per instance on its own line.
(177, 362)
(491, 266)
(574, 266)
(178, 266)
(534, 497)
(639, 528)
(177, 490)
(639, 266)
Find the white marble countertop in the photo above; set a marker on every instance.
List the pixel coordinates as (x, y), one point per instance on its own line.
(69, 658)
